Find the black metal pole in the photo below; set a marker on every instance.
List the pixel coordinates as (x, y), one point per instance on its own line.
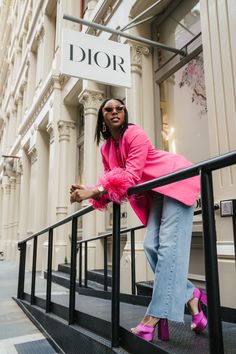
(21, 276)
(211, 266)
(85, 264)
(49, 271)
(132, 262)
(105, 263)
(32, 299)
(115, 297)
(80, 264)
(73, 271)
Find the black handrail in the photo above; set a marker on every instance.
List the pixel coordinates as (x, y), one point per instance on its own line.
(77, 214)
(205, 169)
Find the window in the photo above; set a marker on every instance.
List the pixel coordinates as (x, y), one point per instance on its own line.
(182, 123)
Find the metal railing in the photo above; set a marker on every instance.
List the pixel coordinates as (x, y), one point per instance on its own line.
(204, 169)
(83, 245)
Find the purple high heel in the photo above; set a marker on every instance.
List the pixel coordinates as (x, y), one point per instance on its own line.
(199, 321)
(146, 332)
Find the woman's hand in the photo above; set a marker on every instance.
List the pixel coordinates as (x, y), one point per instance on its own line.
(81, 194)
(78, 193)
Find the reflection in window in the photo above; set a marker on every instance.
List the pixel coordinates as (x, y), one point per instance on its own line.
(179, 28)
(184, 112)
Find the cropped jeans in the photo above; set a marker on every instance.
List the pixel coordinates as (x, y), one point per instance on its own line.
(167, 247)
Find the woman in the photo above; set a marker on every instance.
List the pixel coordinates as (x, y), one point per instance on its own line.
(129, 159)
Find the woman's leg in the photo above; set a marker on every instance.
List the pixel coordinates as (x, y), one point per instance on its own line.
(173, 238)
(151, 238)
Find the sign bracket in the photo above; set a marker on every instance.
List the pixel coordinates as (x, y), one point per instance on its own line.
(181, 52)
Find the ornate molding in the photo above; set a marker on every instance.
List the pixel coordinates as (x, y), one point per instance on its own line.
(91, 99)
(64, 128)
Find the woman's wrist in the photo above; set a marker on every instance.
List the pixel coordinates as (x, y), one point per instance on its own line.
(98, 191)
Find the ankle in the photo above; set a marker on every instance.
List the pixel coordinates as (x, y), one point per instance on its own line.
(193, 305)
(150, 321)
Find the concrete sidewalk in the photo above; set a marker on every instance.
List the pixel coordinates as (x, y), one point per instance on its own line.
(17, 333)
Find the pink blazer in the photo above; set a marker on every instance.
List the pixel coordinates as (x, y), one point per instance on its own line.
(133, 161)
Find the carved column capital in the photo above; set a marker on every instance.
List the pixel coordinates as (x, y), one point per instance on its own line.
(50, 131)
(137, 52)
(8, 168)
(40, 35)
(19, 99)
(64, 128)
(12, 181)
(33, 153)
(91, 100)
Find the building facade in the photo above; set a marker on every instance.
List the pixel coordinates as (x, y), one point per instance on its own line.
(47, 119)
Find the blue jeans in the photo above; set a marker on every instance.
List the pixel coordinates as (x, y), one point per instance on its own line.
(167, 247)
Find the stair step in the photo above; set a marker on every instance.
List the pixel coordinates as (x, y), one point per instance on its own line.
(64, 267)
(63, 279)
(97, 276)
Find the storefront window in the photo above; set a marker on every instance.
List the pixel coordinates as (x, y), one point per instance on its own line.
(183, 105)
(184, 112)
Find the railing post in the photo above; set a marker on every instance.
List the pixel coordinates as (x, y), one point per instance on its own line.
(34, 261)
(132, 262)
(80, 264)
(211, 267)
(21, 276)
(234, 228)
(105, 263)
(115, 298)
(73, 271)
(49, 271)
(85, 264)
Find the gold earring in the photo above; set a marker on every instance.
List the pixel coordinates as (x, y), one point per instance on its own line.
(104, 127)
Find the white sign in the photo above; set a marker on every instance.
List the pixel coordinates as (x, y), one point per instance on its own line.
(94, 58)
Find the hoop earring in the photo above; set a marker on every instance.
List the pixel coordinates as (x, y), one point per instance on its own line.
(104, 127)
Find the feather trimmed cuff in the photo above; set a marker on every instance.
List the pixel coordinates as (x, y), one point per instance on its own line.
(100, 202)
(116, 182)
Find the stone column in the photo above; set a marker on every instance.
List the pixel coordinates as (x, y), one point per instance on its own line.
(48, 46)
(31, 62)
(66, 130)
(24, 171)
(25, 210)
(5, 215)
(11, 216)
(39, 188)
(13, 124)
(40, 57)
(19, 102)
(135, 94)
(91, 100)
(16, 212)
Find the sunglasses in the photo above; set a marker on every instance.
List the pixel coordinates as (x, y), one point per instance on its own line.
(110, 109)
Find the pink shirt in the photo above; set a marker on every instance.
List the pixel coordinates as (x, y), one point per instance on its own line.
(133, 161)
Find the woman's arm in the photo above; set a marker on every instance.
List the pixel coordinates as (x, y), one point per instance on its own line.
(118, 180)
